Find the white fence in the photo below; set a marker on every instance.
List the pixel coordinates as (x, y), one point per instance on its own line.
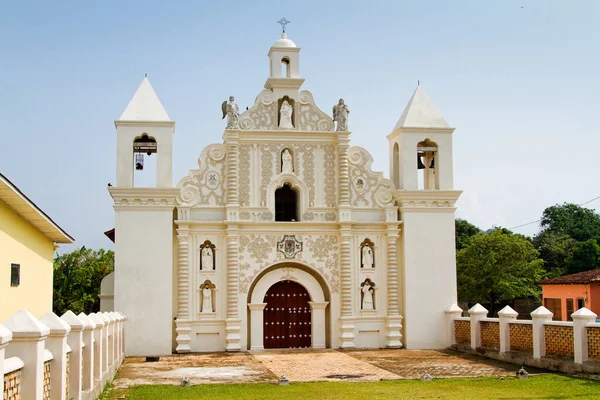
(58, 358)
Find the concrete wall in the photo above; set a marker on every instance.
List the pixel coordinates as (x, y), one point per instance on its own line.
(22, 243)
(144, 277)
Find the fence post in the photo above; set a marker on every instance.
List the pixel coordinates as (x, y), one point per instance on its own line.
(98, 350)
(104, 346)
(117, 337)
(539, 316)
(75, 362)
(505, 315)
(581, 318)
(5, 338)
(125, 318)
(28, 343)
(477, 313)
(57, 344)
(111, 338)
(88, 352)
(452, 312)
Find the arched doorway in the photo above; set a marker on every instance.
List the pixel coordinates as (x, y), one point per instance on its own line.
(287, 316)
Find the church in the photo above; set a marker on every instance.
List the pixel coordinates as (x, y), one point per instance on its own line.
(283, 236)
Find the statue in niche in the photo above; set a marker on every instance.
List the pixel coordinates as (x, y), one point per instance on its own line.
(367, 256)
(367, 298)
(287, 164)
(231, 111)
(207, 257)
(285, 116)
(207, 298)
(340, 114)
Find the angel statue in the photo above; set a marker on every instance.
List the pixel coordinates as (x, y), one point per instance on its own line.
(232, 112)
(340, 114)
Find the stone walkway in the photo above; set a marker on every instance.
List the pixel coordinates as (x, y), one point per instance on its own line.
(307, 366)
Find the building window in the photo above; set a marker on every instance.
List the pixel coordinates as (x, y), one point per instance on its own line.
(570, 309)
(554, 306)
(15, 274)
(580, 303)
(286, 204)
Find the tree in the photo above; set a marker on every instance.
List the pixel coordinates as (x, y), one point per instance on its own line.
(464, 231)
(555, 249)
(575, 221)
(77, 278)
(585, 256)
(498, 267)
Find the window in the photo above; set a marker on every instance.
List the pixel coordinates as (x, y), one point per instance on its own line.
(580, 303)
(15, 274)
(569, 309)
(286, 204)
(554, 306)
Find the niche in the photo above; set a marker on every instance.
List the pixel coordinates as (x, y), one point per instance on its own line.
(286, 116)
(208, 256)
(207, 297)
(367, 295)
(367, 254)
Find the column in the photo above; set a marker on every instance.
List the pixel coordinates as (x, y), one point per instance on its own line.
(232, 323)
(28, 343)
(56, 343)
(539, 316)
(581, 318)
(98, 349)
(505, 315)
(5, 338)
(452, 312)
(394, 319)
(318, 324)
(183, 325)
(257, 326)
(88, 352)
(75, 342)
(347, 320)
(477, 313)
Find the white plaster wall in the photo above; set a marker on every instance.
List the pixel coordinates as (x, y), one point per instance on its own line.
(144, 278)
(429, 281)
(107, 293)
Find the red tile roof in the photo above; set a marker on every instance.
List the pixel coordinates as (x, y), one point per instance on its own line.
(579, 278)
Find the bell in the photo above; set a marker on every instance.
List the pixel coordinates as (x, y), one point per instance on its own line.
(432, 165)
(420, 164)
(139, 161)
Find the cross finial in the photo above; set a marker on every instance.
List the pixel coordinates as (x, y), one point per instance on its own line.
(283, 22)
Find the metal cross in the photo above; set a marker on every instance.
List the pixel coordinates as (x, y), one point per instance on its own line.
(283, 22)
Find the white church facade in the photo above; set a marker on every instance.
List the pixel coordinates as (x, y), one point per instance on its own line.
(284, 236)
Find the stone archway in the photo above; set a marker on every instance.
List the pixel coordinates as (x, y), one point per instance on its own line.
(287, 272)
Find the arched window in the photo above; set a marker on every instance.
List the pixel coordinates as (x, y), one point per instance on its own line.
(285, 67)
(286, 203)
(426, 162)
(396, 165)
(144, 144)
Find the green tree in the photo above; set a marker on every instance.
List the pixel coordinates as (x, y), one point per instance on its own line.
(585, 256)
(464, 231)
(555, 249)
(498, 267)
(578, 222)
(77, 277)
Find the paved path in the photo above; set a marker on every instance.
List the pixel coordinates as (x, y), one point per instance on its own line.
(307, 366)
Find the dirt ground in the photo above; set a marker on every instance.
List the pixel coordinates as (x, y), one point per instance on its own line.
(307, 366)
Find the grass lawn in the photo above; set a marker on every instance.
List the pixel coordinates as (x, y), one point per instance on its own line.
(548, 386)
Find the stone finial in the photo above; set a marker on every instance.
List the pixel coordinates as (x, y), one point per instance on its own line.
(426, 377)
(70, 318)
(103, 318)
(541, 312)
(109, 317)
(477, 309)
(58, 327)
(585, 314)
(508, 312)
(24, 324)
(96, 320)
(122, 315)
(454, 308)
(5, 335)
(87, 322)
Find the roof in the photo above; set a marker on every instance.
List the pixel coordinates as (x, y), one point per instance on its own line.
(580, 278)
(145, 106)
(110, 234)
(29, 211)
(421, 113)
(284, 42)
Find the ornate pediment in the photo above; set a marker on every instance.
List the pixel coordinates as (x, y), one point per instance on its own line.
(367, 188)
(263, 115)
(205, 186)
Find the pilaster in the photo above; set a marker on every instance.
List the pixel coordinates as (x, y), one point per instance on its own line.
(232, 145)
(232, 323)
(343, 145)
(394, 319)
(347, 321)
(183, 328)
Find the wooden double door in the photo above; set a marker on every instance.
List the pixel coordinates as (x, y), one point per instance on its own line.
(287, 316)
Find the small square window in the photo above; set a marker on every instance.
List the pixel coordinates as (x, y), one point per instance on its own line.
(15, 274)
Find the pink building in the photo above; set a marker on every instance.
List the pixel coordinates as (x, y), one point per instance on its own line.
(566, 294)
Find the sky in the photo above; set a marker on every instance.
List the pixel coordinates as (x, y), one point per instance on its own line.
(517, 79)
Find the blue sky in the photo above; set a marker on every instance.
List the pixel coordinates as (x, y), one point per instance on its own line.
(518, 79)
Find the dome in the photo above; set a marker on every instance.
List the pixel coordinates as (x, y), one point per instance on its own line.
(284, 42)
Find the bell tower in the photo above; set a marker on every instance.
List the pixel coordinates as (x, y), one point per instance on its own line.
(284, 72)
(421, 168)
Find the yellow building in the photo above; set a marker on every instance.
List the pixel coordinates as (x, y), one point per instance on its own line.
(28, 238)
